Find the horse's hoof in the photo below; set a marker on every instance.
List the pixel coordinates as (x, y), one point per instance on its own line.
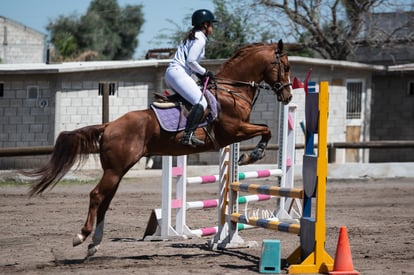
(78, 239)
(92, 249)
(244, 159)
(257, 155)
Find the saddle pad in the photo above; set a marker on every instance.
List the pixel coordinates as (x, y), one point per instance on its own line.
(172, 120)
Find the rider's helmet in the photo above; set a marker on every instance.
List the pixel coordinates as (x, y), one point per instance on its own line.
(201, 16)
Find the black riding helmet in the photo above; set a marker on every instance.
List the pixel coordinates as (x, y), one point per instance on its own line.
(201, 16)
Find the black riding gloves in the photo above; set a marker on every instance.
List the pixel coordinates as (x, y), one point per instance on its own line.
(208, 74)
(203, 77)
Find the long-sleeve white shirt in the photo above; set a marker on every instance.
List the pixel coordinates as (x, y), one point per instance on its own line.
(190, 53)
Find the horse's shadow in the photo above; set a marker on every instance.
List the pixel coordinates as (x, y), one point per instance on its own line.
(205, 252)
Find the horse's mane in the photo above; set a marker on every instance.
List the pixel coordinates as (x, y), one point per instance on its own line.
(243, 51)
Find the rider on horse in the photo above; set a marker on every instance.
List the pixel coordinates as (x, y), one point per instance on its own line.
(185, 63)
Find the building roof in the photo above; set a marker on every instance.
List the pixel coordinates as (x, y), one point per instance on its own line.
(69, 67)
(402, 68)
(335, 63)
(6, 19)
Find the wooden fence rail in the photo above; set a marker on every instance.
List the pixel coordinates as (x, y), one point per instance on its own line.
(377, 144)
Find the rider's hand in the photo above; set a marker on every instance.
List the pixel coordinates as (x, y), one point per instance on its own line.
(208, 74)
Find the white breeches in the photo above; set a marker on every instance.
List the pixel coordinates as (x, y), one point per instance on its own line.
(178, 80)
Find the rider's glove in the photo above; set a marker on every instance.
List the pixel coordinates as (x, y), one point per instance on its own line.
(208, 74)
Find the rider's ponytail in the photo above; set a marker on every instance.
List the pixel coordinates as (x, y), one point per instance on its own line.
(190, 35)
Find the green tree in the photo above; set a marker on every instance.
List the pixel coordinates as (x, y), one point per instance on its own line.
(106, 28)
(230, 32)
(331, 28)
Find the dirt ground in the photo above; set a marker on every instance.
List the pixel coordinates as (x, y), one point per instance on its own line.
(37, 233)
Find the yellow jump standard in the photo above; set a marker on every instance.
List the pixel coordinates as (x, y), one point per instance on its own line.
(319, 261)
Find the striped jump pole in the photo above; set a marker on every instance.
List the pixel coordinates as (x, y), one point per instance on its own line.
(267, 190)
(207, 231)
(215, 202)
(242, 175)
(266, 223)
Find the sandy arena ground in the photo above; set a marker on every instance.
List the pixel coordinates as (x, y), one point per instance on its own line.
(37, 233)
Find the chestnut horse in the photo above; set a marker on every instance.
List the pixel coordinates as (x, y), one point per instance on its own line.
(124, 141)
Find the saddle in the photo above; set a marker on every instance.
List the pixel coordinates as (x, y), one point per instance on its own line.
(172, 110)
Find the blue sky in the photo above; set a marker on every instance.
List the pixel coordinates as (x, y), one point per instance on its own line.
(37, 14)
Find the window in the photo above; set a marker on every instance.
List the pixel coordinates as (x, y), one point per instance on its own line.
(111, 86)
(1, 89)
(410, 88)
(354, 99)
(32, 92)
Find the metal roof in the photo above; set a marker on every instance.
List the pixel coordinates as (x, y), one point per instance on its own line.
(69, 67)
(401, 68)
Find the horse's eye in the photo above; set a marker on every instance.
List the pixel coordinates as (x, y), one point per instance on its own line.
(287, 68)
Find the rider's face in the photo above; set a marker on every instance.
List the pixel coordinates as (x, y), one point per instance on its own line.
(209, 28)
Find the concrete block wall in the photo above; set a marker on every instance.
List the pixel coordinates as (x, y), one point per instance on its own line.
(392, 116)
(24, 121)
(27, 122)
(20, 44)
(78, 104)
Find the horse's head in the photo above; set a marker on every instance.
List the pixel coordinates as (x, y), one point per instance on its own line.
(277, 74)
(259, 62)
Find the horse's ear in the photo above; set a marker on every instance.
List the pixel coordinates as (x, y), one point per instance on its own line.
(280, 45)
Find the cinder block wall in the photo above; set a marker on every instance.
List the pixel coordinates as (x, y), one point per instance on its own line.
(392, 116)
(20, 44)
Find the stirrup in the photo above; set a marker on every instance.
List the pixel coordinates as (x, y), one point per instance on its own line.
(190, 140)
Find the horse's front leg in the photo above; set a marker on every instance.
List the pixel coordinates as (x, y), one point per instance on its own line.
(250, 131)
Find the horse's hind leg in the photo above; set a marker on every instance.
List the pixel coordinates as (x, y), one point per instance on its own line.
(100, 221)
(100, 198)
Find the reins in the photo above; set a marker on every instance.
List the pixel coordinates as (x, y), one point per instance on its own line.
(243, 83)
(251, 84)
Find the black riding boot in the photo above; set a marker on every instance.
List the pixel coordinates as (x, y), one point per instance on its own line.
(193, 119)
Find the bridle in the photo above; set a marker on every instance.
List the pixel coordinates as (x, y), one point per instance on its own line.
(277, 87)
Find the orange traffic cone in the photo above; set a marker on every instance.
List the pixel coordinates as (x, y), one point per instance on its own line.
(343, 259)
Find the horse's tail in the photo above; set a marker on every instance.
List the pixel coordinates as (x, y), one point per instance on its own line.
(71, 147)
